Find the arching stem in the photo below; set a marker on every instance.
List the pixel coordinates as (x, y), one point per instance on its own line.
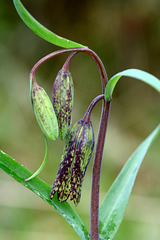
(87, 115)
(67, 62)
(94, 216)
(95, 57)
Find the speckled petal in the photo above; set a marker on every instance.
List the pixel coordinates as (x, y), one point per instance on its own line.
(82, 157)
(63, 92)
(76, 156)
(62, 182)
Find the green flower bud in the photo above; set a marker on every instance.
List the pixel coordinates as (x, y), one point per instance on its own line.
(63, 101)
(75, 159)
(43, 111)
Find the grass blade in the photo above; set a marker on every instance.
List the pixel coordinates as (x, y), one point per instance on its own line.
(115, 202)
(134, 73)
(42, 31)
(42, 189)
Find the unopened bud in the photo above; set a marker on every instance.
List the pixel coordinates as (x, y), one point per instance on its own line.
(76, 156)
(44, 111)
(63, 92)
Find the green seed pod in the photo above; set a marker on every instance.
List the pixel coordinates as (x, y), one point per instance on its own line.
(63, 101)
(44, 111)
(75, 159)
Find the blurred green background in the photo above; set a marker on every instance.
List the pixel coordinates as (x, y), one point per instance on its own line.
(125, 34)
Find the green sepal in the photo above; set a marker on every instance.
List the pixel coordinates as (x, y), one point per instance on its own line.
(44, 111)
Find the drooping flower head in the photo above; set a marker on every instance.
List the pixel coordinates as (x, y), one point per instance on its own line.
(43, 111)
(63, 93)
(76, 156)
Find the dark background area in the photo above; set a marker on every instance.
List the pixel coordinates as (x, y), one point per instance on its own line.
(125, 34)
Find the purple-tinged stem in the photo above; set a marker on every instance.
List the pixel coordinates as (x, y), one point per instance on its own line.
(98, 61)
(87, 115)
(67, 62)
(94, 228)
(101, 135)
(97, 162)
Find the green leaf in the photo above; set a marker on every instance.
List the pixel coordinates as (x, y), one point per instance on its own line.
(41, 31)
(42, 189)
(43, 163)
(134, 73)
(115, 202)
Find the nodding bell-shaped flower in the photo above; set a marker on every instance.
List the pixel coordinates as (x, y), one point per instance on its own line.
(76, 156)
(43, 111)
(63, 101)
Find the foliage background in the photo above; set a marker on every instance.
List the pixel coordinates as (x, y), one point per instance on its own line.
(125, 34)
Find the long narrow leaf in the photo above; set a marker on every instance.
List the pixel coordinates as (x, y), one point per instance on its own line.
(42, 31)
(115, 202)
(42, 189)
(134, 73)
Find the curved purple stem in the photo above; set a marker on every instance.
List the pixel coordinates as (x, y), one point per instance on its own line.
(94, 216)
(87, 115)
(97, 171)
(95, 57)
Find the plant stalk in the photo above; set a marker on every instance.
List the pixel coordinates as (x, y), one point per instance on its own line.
(95, 57)
(94, 228)
(87, 115)
(94, 215)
